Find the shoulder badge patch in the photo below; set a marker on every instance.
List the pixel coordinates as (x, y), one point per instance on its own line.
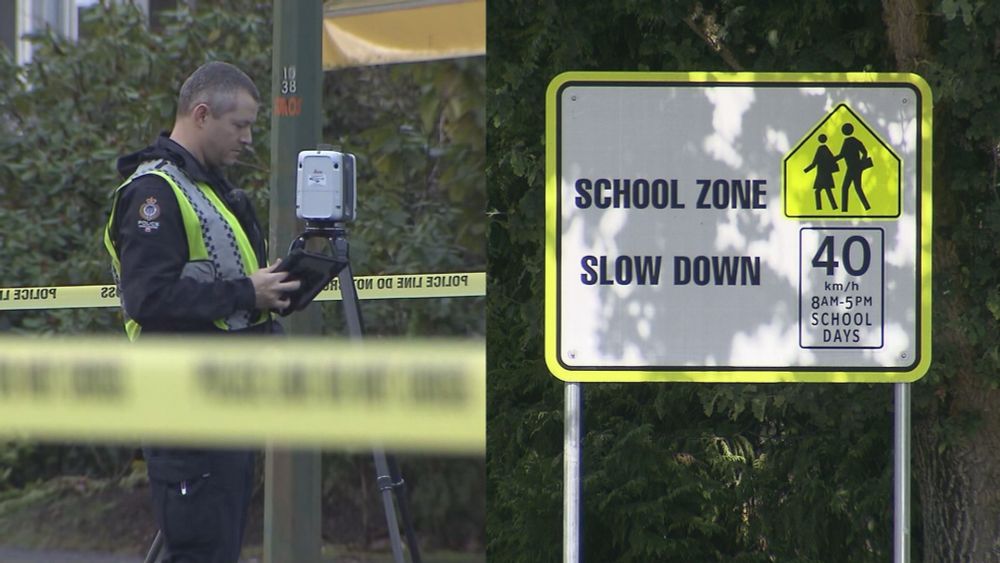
(149, 211)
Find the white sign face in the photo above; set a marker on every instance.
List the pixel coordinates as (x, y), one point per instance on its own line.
(738, 227)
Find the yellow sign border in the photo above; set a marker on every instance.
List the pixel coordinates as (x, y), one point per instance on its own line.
(846, 375)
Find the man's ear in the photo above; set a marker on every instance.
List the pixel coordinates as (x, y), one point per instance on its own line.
(200, 113)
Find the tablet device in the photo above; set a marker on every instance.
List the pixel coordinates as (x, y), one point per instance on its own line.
(314, 272)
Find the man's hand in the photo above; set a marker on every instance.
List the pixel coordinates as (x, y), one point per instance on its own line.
(270, 288)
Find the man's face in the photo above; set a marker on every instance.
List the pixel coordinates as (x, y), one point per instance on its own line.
(227, 135)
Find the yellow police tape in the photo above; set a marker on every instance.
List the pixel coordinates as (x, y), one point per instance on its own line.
(401, 286)
(426, 395)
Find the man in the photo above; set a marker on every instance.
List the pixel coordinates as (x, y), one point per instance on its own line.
(856, 156)
(187, 253)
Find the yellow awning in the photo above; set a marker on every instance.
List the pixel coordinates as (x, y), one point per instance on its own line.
(371, 32)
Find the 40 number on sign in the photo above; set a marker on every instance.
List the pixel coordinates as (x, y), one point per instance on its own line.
(841, 300)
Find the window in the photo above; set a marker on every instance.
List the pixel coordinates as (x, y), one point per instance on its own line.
(21, 17)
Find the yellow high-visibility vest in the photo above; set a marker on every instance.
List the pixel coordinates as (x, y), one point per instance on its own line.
(218, 248)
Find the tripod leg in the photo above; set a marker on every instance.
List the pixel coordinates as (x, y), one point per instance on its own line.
(404, 508)
(154, 550)
(352, 306)
(385, 485)
(388, 477)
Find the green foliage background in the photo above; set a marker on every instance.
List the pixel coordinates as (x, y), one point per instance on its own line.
(418, 130)
(685, 472)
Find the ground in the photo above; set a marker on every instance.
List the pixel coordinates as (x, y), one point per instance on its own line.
(81, 520)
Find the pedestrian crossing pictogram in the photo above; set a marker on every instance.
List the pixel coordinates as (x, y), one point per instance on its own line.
(842, 169)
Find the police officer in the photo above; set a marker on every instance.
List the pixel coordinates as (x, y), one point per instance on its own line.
(188, 256)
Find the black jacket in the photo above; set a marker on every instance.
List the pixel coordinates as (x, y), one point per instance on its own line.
(153, 292)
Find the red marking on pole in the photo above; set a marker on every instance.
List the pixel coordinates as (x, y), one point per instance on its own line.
(288, 106)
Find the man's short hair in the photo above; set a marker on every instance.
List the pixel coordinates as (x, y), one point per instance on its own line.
(216, 84)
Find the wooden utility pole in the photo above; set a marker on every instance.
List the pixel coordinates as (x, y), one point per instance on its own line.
(292, 479)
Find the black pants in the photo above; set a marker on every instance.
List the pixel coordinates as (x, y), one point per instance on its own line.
(200, 502)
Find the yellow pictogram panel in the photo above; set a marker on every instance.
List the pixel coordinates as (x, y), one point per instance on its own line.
(842, 169)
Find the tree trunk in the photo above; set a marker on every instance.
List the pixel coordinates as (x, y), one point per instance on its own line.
(956, 427)
(958, 472)
(906, 27)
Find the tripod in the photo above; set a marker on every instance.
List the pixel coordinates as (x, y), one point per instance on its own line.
(389, 479)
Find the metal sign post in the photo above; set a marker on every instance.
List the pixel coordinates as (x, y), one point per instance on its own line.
(572, 469)
(901, 475)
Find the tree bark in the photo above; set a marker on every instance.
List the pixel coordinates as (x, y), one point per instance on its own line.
(957, 472)
(906, 26)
